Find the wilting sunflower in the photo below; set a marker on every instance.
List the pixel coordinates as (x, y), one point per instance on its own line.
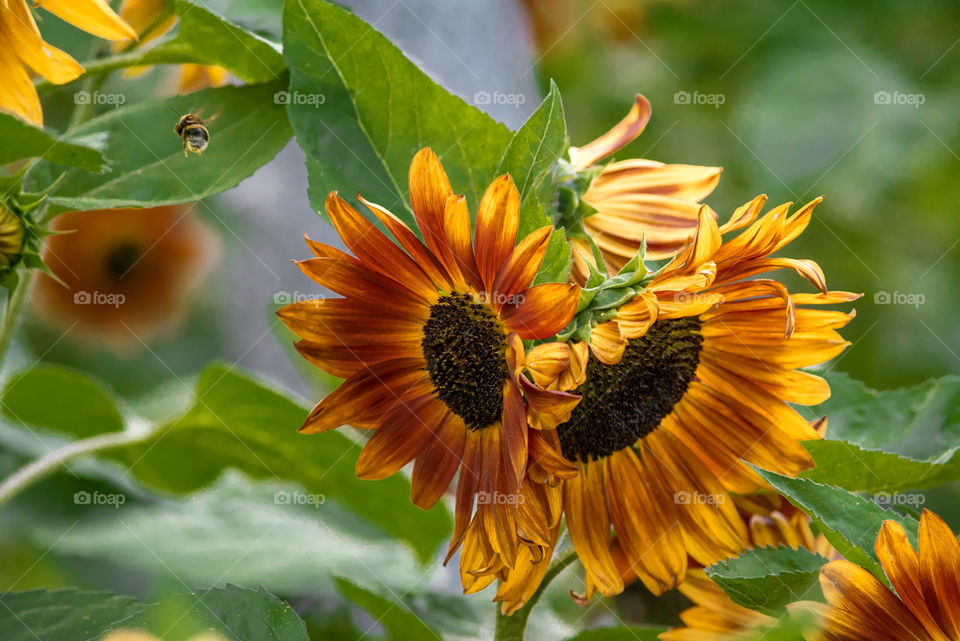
(637, 198)
(24, 47)
(926, 605)
(715, 617)
(125, 273)
(429, 341)
(692, 380)
(152, 19)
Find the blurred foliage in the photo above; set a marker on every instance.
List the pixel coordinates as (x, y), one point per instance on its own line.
(799, 118)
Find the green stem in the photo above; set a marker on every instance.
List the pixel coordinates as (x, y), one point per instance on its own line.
(11, 311)
(512, 627)
(53, 461)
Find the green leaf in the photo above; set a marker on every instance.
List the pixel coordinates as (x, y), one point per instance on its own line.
(768, 578)
(557, 260)
(148, 168)
(395, 616)
(61, 615)
(848, 522)
(378, 109)
(889, 441)
(245, 532)
(204, 37)
(237, 422)
(531, 154)
(23, 140)
(61, 399)
(620, 633)
(239, 614)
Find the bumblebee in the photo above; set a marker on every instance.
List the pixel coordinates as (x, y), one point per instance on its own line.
(194, 132)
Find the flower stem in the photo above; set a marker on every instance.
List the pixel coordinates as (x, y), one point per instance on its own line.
(512, 627)
(11, 312)
(53, 461)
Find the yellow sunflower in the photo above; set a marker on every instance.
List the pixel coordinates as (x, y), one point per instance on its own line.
(153, 18)
(429, 340)
(691, 381)
(715, 617)
(24, 47)
(637, 198)
(926, 605)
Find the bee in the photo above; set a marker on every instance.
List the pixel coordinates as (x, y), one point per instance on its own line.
(194, 132)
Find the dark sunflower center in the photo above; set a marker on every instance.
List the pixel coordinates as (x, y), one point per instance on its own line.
(463, 344)
(121, 260)
(622, 403)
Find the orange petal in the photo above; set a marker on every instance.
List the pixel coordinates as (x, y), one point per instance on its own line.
(497, 220)
(622, 133)
(457, 230)
(542, 311)
(940, 572)
(438, 462)
(401, 436)
(521, 267)
(606, 342)
(93, 16)
(589, 525)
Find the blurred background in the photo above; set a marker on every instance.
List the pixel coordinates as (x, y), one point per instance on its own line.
(795, 100)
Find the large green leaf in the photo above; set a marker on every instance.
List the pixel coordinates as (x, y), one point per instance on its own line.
(768, 578)
(237, 422)
(238, 614)
(61, 399)
(147, 166)
(204, 37)
(61, 615)
(361, 110)
(889, 441)
(23, 140)
(848, 522)
(396, 618)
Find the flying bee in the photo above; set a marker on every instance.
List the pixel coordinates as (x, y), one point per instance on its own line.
(193, 130)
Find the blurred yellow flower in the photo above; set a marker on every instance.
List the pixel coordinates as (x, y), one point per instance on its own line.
(24, 47)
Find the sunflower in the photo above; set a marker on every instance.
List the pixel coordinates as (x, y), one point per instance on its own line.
(690, 382)
(23, 47)
(124, 273)
(637, 198)
(926, 605)
(715, 617)
(153, 18)
(429, 340)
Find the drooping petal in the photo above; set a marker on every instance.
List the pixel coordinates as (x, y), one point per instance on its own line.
(622, 133)
(93, 16)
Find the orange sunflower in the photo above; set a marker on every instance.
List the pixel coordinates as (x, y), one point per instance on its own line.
(125, 274)
(24, 47)
(429, 340)
(637, 198)
(926, 605)
(692, 380)
(715, 617)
